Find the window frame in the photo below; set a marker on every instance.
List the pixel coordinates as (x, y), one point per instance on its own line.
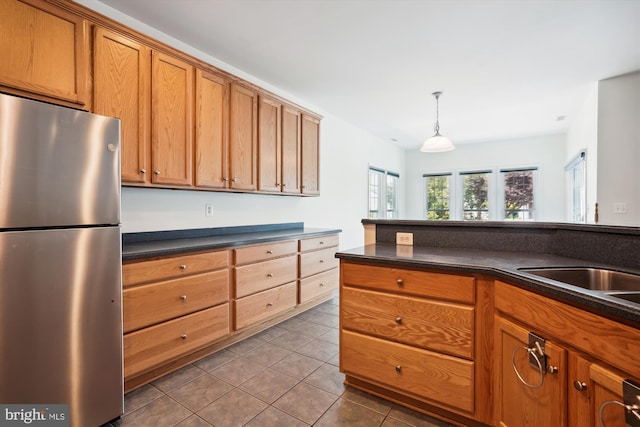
(579, 160)
(502, 188)
(425, 187)
(382, 193)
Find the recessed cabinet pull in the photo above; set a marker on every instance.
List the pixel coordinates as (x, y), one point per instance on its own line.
(184, 337)
(398, 369)
(398, 320)
(183, 297)
(579, 385)
(400, 282)
(183, 267)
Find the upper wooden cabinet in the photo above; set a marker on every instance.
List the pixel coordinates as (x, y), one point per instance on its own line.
(243, 138)
(122, 88)
(291, 148)
(171, 120)
(45, 53)
(212, 127)
(310, 155)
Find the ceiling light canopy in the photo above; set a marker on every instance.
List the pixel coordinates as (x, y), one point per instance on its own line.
(437, 143)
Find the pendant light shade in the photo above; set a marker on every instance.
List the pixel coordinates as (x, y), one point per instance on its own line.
(437, 143)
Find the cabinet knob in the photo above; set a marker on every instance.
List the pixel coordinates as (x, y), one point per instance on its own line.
(321, 261)
(234, 180)
(184, 337)
(269, 304)
(398, 320)
(579, 385)
(183, 266)
(284, 185)
(225, 179)
(552, 369)
(398, 369)
(321, 242)
(400, 282)
(143, 171)
(157, 172)
(270, 252)
(269, 274)
(322, 285)
(183, 297)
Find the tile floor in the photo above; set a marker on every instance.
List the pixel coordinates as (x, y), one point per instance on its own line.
(286, 376)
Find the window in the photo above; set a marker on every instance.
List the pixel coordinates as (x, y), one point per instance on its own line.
(577, 170)
(438, 196)
(475, 196)
(383, 193)
(518, 193)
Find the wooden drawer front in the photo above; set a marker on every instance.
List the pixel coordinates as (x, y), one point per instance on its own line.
(319, 243)
(409, 282)
(264, 252)
(319, 284)
(263, 305)
(253, 278)
(153, 346)
(149, 304)
(439, 326)
(408, 370)
(318, 261)
(139, 272)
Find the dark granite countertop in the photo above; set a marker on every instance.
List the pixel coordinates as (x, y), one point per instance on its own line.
(504, 265)
(163, 243)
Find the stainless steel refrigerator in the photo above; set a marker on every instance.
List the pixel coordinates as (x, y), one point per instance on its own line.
(60, 260)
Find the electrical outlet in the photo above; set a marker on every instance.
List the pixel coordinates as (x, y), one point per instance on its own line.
(620, 208)
(208, 209)
(404, 239)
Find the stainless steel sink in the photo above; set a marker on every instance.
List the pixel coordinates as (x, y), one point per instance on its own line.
(596, 279)
(631, 297)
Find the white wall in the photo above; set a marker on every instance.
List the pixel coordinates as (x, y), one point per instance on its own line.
(619, 149)
(346, 152)
(545, 152)
(583, 134)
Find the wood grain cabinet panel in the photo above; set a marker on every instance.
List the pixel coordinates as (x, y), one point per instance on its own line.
(440, 326)
(263, 305)
(315, 243)
(409, 370)
(259, 276)
(267, 251)
(317, 261)
(291, 150)
(154, 303)
(269, 144)
(155, 345)
(45, 52)
(310, 155)
(172, 120)
(319, 284)
(122, 89)
(212, 131)
(243, 141)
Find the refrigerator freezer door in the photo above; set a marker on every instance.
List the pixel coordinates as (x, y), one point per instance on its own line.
(58, 166)
(60, 311)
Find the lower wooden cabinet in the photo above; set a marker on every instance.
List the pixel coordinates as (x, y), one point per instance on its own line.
(257, 307)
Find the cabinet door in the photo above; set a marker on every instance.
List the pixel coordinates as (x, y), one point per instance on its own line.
(45, 52)
(269, 143)
(310, 155)
(172, 120)
(519, 405)
(211, 141)
(291, 119)
(122, 89)
(243, 141)
(590, 386)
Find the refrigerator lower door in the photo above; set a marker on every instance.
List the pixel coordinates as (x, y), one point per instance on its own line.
(60, 321)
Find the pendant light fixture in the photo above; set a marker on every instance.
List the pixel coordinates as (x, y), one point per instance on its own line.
(437, 143)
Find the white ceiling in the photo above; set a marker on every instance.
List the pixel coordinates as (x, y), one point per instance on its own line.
(508, 68)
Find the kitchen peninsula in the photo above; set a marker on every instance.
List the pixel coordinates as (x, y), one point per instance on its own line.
(449, 325)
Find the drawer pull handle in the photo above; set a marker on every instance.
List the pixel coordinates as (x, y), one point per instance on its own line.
(322, 285)
(398, 320)
(321, 261)
(184, 337)
(269, 274)
(322, 243)
(398, 369)
(579, 385)
(183, 297)
(269, 304)
(400, 282)
(270, 252)
(183, 267)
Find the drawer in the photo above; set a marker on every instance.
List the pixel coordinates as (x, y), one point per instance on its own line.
(440, 326)
(318, 243)
(442, 286)
(149, 304)
(264, 252)
(318, 261)
(253, 278)
(139, 272)
(407, 370)
(319, 284)
(260, 306)
(156, 345)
